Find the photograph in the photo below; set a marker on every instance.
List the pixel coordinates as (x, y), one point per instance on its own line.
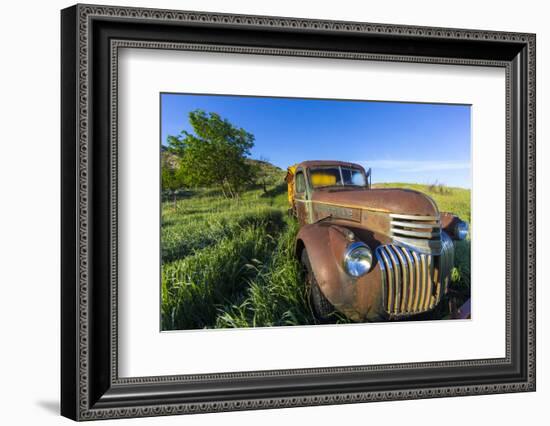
(308, 212)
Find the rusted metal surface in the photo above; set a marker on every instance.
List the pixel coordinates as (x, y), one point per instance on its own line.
(321, 211)
(328, 163)
(413, 253)
(379, 199)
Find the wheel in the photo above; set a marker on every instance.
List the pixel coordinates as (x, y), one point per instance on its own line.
(321, 307)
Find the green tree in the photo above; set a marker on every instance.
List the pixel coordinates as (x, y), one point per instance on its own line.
(176, 145)
(172, 176)
(215, 154)
(262, 173)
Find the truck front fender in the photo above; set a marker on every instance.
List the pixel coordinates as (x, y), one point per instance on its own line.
(450, 224)
(325, 244)
(358, 298)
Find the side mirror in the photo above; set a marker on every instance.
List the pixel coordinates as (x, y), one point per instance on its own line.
(369, 172)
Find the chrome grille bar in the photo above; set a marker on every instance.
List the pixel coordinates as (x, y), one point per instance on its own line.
(413, 217)
(412, 224)
(410, 267)
(417, 285)
(425, 289)
(414, 282)
(421, 234)
(416, 232)
(387, 282)
(398, 278)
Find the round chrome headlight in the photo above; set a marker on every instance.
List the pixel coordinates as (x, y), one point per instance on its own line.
(357, 259)
(461, 230)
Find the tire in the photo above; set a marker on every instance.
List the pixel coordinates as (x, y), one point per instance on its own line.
(321, 307)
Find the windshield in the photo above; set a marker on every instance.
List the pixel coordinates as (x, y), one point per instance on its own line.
(336, 176)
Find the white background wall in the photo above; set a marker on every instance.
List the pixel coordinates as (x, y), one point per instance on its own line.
(29, 211)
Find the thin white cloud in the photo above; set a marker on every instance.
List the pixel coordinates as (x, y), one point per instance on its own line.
(415, 166)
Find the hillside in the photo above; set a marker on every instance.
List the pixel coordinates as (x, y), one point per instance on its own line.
(265, 171)
(167, 159)
(266, 167)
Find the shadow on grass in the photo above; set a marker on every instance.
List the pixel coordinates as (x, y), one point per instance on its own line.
(277, 190)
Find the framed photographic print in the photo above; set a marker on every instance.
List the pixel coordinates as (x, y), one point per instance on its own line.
(263, 212)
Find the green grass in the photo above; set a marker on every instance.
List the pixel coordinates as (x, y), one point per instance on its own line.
(276, 295)
(219, 261)
(230, 263)
(196, 285)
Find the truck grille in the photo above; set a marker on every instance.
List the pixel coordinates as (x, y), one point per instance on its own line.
(420, 233)
(414, 282)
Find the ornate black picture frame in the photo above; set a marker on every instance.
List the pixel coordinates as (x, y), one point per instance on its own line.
(91, 388)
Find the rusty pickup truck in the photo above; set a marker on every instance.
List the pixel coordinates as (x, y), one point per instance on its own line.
(369, 254)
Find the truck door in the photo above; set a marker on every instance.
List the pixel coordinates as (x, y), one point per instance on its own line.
(302, 198)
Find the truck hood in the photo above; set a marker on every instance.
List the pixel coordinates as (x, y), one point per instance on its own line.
(400, 201)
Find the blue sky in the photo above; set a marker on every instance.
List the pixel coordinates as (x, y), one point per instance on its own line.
(401, 142)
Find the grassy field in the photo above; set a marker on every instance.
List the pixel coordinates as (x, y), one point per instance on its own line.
(230, 263)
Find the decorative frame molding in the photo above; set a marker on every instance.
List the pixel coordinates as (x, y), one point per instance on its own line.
(91, 37)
